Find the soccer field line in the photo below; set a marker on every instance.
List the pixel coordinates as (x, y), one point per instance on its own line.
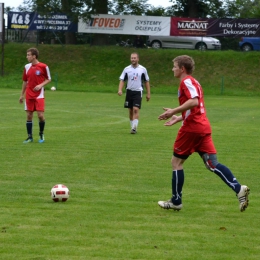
(86, 124)
(11, 94)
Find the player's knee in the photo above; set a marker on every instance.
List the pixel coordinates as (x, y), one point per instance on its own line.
(135, 110)
(29, 116)
(41, 116)
(177, 163)
(210, 161)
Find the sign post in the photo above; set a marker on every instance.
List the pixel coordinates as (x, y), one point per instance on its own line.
(2, 31)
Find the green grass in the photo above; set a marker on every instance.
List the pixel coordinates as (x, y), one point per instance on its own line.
(87, 68)
(116, 179)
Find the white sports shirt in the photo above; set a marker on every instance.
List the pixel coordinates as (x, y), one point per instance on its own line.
(134, 77)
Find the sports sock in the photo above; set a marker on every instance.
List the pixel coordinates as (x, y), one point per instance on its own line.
(131, 123)
(135, 123)
(177, 184)
(226, 175)
(41, 126)
(29, 125)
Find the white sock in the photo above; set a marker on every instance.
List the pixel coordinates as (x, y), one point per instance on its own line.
(131, 123)
(135, 123)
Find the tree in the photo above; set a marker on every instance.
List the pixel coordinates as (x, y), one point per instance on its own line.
(67, 7)
(247, 8)
(156, 11)
(132, 7)
(199, 8)
(100, 7)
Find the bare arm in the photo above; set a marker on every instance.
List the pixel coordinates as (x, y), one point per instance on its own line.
(193, 102)
(148, 93)
(23, 91)
(45, 82)
(120, 87)
(174, 120)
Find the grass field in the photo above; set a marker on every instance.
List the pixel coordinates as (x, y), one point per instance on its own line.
(87, 68)
(116, 179)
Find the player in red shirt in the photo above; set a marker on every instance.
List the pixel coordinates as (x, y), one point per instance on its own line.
(35, 76)
(194, 136)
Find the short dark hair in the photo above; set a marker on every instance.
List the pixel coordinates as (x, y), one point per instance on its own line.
(34, 51)
(185, 61)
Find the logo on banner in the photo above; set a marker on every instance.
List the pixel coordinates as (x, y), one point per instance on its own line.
(106, 23)
(20, 20)
(193, 25)
(35, 21)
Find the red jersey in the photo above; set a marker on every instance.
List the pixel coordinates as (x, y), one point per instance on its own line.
(195, 119)
(35, 75)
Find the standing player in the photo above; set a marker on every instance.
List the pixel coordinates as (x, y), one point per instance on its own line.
(35, 76)
(135, 75)
(194, 136)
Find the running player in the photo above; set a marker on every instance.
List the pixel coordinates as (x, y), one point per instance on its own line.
(135, 75)
(35, 76)
(194, 136)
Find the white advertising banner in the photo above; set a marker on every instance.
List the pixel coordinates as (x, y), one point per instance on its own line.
(126, 24)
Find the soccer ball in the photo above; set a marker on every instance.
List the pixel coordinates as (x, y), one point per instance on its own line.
(60, 192)
(53, 88)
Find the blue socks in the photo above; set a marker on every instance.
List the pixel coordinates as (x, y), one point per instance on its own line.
(226, 175)
(41, 126)
(29, 125)
(221, 170)
(177, 183)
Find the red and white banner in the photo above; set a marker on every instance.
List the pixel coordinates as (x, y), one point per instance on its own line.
(126, 24)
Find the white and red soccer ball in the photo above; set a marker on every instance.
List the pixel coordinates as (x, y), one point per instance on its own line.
(60, 192)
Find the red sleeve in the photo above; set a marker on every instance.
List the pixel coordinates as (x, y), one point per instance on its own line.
(24, 75)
